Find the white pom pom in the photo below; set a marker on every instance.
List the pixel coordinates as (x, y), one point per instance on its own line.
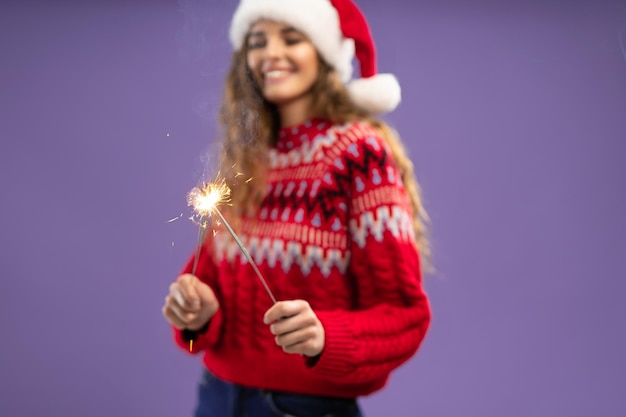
(378, 94)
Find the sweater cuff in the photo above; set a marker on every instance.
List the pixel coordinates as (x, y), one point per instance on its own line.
(340, 347)
(202, 338)
(188, 334)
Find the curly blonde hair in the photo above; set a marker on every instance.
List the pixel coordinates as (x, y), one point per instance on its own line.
(250, 126)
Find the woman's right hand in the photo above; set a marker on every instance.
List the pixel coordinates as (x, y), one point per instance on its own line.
(190, 303)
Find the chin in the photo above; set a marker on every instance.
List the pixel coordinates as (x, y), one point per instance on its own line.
(279, 98)
(287, 93)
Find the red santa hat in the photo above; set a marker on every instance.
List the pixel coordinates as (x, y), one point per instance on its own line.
(339, 31)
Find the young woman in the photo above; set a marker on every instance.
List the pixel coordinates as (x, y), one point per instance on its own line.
(329, 210)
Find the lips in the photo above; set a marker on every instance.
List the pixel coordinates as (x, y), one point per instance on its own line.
(277, 74)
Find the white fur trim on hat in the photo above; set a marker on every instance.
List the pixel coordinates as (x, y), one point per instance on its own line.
(340, 34)
(377, 94)
(317, 19)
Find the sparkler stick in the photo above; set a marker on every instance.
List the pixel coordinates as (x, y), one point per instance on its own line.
(202, 225)
(205, 200)
(246, 254)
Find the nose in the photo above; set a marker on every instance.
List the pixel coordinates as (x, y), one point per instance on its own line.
(274, 48)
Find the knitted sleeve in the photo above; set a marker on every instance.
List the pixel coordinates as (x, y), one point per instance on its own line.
(392, 313)
(205, 271)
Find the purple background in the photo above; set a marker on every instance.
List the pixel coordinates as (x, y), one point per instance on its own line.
(514, 114)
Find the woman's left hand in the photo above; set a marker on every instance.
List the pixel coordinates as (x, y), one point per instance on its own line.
(296, 327)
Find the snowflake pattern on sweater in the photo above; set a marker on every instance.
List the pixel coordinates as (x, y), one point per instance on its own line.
(334, 228)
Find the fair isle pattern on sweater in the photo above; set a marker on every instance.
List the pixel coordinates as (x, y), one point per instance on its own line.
(310, 178)
(334, 229)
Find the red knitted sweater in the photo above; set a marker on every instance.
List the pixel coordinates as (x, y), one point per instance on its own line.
(334, 229)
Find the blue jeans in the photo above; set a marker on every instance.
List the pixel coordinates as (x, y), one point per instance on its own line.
(217, 398)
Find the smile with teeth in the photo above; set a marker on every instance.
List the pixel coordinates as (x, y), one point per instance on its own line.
(276, 74)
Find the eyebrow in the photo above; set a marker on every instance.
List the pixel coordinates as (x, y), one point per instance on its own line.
(284, 31)
(289, 29)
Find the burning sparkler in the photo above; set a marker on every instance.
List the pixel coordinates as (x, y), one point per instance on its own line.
(204, 199)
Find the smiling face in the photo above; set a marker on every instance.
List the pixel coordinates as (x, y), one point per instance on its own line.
(284, 63)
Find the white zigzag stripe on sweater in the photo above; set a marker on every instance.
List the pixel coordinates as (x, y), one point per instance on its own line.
(395, 219)
(272, 251)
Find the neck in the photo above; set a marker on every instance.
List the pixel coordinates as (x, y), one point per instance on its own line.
(295, 112)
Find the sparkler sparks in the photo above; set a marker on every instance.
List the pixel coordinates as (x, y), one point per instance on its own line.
(205, 200)
(173, 219)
